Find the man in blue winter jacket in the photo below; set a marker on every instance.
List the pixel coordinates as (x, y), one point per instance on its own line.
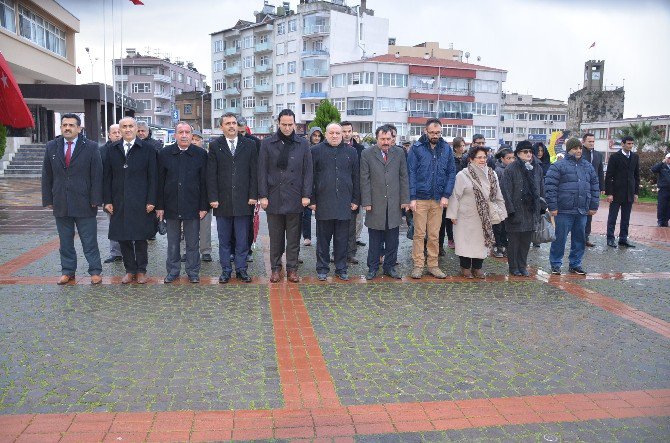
(572, 192)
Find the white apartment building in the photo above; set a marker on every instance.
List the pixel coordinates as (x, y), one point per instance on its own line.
(283, 59)
(407, 91)
(527, 118)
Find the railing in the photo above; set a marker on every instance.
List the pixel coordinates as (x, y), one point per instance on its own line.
(162, 78)
(316, 52)
(160, 111)
(308, 95)
(233, 109)
(165, 94)
(263, 47)
(121, 78)
(359, 111)
(231, 91)
(263, 68)
(262, 129)
(448, 91)
(233, 70)
(231, 51)
(262, 89)
(316, 29)
(262, 109)
(265, 28)
(314, 73)
(427, 114)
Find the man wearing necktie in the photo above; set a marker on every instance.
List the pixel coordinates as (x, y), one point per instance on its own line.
(232, 187)
(596, 159)
(72, 187)
(129, 192)
(622, 186)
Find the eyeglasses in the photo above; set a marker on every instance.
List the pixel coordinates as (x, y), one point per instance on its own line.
(480, 157)
(526, 151)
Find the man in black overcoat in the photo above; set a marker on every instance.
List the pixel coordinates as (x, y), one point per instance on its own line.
(622, 186)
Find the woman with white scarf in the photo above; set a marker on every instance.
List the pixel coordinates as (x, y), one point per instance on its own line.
(475, 205)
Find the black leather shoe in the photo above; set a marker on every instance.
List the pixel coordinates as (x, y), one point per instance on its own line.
(206, 257)
(242, 275)
(370, 275)
(611, 243)
(113, 258)
(360, 243)
(625, 244)
(225, 278)
(194, 279)
(353, 260)
(170, 278)
(442, 252)
(578, 270)
(393, 274)
(555, 271)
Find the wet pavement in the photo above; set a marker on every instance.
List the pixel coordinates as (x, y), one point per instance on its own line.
(544, 358)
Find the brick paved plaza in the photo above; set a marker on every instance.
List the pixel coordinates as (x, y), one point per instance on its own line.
(546, 358)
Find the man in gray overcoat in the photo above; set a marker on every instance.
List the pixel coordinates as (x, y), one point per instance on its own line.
(384, 193)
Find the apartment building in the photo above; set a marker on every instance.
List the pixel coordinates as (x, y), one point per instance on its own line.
(524, 117)
(407, 91)
(283, 58)
(154, 82)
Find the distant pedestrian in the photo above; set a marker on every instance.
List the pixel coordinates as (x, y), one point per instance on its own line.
(315, 137)
(522, 186)
(384, 192)
(622, 187)
(182, 201)
(662, 169)
(504, 157)
(144, 134)
(129, 192)
(72, 188)
(431, 180)
(284, 188)
(596, 159)
(572, 192)
(335, 198)
(541, 153)
(114, 135)
(476, 204)
(232, 186)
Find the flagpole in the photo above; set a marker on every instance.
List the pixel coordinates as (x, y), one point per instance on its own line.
(123, 114)
(113, 67)
(104, 60)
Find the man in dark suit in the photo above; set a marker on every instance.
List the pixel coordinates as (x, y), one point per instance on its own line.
(622, 186)
(72, 187)
(129, 192)
(232, 186)
(596, 159)
(384, 193)
(335, 197)
(182, 200)
(284, 186)
(144, 134)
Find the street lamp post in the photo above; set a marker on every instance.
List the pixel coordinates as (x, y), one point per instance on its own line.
(88, 51)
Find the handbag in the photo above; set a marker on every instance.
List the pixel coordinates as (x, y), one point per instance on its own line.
(498, 215)
(162, 226)
(410, 227)
(545, 231)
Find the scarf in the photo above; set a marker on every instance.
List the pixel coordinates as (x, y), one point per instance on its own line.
(483, 208)
(287, 144)
(529, 197)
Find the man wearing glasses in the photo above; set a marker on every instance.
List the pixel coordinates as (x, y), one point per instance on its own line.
(477, 141)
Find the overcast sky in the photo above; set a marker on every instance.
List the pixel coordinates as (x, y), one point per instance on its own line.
(542, 44)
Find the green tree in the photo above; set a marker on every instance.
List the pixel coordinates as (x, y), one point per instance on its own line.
(643, 134)
(3, 140)
(326, 113)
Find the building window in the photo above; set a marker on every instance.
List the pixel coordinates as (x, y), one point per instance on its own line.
(281, 28)
(180, 77)
(141, 88)
(537, 131)
(39, 31)
(291, 106)
(248, 102)
(262, 39)
(423, 83)
(248, 62)
(219, 85)
(392, 80)
(291, 46)
(360, 106)
(218, 66)
(520, 131)
(486, 131)
(457, 131)
(279, 107)
(280, 88)
(7, 15)
(537, 117)
(338, 81)
(490, 86)
(290, 88)
(454, 86)
(290, 67)
(339, 103)
(143, 70)
(484, 108)
(248, 82)
(280, 48)
(280, 69)
(147, 120)
(188, 80)
(264, 60)
(522, 116)
(507, 130)
(188, 109)
(247, 42)
(145, 105)
(462, 110)
(360, 78)
(557, 117)
(218, 46)
(173, 74)
(219, 103)
(392, 104)
(292, 25)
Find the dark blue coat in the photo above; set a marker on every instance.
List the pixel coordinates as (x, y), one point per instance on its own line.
(336, 181)
(75, 191)
(232, 180)
(130, 189)
(182, 178)
(431, 171)
(663, 171)
(571, 186)
(622, 180)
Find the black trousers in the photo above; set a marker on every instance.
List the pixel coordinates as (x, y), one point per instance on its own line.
(471, 263)
(517, 250)
(626, 209)
(663, 208)
(447, 227)
(284, 232)
(338, 231)
(500, 234)
(352, 246)
(587, 229)
(135, 256)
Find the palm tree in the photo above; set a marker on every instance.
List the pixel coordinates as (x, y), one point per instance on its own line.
(643, 134)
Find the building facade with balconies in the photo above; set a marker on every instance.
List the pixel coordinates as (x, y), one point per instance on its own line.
(283, 59)
(524, 117)
(407, 91)
(154, 83)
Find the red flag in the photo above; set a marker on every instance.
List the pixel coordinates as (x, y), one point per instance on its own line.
(78, 70)
(136, 2)
(592, 45)
(13, 109)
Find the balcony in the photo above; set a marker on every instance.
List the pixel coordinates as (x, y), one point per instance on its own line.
(449, 91)
(231, 91)
(425, 114)
(161, 111)
(233, 109)
(262, 109)
(264, 47)
(315, 30)
(233, 70)
(164, 95)
(121, 78)
(263, 89)
(162, 78)
(263, 68)
(359, 111)
(313, 95)
(315, 53)
(306, 73)
(262, 129)
(263, 29)
(422, 90)
(229, 52)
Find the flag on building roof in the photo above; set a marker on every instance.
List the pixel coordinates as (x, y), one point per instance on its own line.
(136, 2)
(78, 70)
(592, 45)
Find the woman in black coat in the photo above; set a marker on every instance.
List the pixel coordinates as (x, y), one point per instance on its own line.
(523, 188)
(541, 153)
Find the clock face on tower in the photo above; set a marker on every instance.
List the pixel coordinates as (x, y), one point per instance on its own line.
(595, 76)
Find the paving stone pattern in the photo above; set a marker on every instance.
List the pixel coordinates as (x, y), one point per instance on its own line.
(14, 245)
(151, 348)
(431, 341)
(652, 430)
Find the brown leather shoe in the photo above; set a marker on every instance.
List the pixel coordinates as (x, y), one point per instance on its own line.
(465, 272)
(141, 278)
(478, 273)
(96, 279)
(292, 276)
(275, 276)
(65, 279)
(128, 278)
